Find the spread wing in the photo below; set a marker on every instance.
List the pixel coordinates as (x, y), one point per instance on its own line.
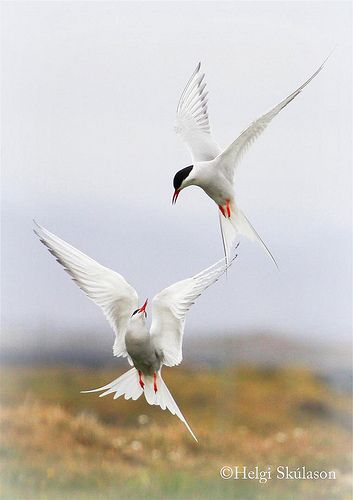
(231, 156)
(108, 289)
(170, 306)
(192, 122)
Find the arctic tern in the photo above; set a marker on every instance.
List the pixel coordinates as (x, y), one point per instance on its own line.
(147, 351)
(213, 169)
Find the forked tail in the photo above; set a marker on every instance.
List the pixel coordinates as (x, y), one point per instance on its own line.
(128, 385)
(238, 224)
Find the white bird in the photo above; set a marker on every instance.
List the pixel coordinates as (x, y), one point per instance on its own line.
(146, 351)
(213, 169)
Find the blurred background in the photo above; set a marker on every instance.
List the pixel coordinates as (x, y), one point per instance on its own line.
(89, 93)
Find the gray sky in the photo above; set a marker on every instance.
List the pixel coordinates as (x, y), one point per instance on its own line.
(89, 92)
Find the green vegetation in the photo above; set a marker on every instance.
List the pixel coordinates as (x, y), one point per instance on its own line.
(59, 444)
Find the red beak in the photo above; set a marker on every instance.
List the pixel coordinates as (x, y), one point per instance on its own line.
(175, 196)
(143, 308)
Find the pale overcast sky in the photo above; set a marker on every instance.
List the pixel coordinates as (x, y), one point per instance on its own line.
(89, 92)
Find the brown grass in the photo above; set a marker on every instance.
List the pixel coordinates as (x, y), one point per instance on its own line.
(57, 443)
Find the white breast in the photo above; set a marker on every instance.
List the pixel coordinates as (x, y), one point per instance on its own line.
(213, 182)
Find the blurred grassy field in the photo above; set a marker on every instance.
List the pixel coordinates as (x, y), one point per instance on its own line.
(59, 444)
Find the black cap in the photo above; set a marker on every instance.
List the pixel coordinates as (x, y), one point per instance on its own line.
(181, 175)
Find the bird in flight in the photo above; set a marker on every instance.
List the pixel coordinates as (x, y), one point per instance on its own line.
(213, 169)
(147, 351)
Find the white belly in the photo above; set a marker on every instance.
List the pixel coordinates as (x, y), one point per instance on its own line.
(142, 353)
(215, 185)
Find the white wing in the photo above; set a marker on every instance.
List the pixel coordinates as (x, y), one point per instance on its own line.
(105, 287)
(170, 306)
(231, 156)
(192, 122)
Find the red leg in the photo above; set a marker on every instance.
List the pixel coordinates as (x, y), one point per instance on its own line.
(140, 380)
(222, 210)
(155, 382)
(228, 208)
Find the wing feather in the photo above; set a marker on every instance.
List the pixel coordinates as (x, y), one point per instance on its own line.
(192, 122)
(232, 155)
(108, 289)
(170, 306)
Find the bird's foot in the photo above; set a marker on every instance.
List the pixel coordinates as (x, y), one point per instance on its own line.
(222, 210)
(155, 382)
(226, 210)
(140, 380)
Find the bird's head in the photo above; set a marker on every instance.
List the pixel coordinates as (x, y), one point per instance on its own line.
(141, 312)
(181, 180)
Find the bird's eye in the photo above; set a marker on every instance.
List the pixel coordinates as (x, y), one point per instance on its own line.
(137, 310)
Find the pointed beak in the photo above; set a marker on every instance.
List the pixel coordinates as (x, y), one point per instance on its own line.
(175, 196)
(143, 308)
